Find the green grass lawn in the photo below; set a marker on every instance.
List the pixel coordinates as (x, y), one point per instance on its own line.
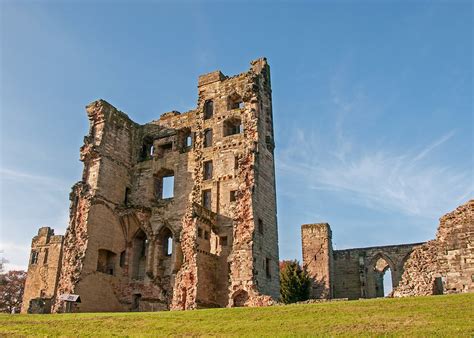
(419, 316)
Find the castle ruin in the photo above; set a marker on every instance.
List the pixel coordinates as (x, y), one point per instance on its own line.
(444, 265)
(179, 213)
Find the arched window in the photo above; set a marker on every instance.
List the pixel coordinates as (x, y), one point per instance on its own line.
(208, 109)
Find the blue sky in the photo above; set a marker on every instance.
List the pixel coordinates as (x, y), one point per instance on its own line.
(372, 103)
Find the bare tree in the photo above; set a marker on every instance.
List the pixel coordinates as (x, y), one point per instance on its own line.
(12, 285)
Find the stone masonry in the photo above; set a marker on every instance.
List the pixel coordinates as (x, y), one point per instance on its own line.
(179, 213)
(443, 265)
(351, 273)
(43, 271)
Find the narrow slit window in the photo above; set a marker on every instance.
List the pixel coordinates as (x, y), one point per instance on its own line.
(169, 246)
(233, 196)
(45, 259)
(127, 196)
(260, 226)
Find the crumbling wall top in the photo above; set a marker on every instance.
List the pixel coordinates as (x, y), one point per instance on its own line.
(321, 228)
(210, 78)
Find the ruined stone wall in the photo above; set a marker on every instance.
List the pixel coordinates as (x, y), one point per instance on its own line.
(43, 271)
(318, 258)
(358, 273)
(445, 264)
(351, 273)
(213, 242)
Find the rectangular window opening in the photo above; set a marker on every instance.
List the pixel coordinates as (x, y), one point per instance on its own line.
(207, 170)
(34, 257)
(168, 187)
(260, 226)
(233, 196)
(207, 138)
(206, 199)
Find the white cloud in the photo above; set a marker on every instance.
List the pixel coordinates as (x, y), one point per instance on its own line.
(405, 182)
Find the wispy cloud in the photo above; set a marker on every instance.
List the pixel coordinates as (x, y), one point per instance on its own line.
(22, 176)
(404, 182)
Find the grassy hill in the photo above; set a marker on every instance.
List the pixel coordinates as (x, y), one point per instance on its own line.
(451, 315)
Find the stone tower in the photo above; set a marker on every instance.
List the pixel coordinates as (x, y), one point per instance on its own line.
(318, 258)
(43, 271)
(179, 213)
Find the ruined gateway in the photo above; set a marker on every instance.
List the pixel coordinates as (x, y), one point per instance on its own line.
(179, 213)
(443, 265)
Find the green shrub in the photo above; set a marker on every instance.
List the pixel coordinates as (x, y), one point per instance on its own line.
(294, 282)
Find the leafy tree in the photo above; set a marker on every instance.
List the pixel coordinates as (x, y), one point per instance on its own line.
(294, 282)
(12, 285)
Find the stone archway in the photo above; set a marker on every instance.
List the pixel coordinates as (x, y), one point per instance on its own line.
(377, 269)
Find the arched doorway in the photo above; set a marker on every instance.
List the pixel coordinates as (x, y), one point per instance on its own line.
(382, 274)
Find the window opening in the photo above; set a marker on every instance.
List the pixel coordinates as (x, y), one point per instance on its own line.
(206, 199)
(168, 187)
(233, 196)
(233, 126)
(208, 109)
(188, 141)
(146, 149)
(207, 138)
(260, 226)
(122, 259)
(106, 261)
(126, 200)
(164, 185)
(34, 257)
(207, 170)
(163, 149)
(167, 241)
